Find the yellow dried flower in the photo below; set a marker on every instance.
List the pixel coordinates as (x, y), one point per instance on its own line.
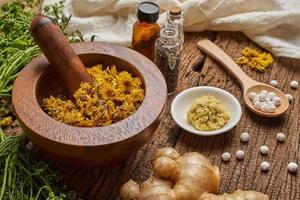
(112, 97)
(6, 121)
(254, 59)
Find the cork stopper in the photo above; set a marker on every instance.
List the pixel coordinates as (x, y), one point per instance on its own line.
(175, 10)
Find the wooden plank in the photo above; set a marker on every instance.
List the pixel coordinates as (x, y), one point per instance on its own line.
(246, 174)
(105, 182)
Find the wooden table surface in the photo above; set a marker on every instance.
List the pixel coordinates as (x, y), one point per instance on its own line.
(199, 69)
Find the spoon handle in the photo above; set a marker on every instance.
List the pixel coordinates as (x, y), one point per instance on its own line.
(218, 54)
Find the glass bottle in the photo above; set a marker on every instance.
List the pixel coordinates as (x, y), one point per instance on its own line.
(146, 30)
(168, 56)
(175, 19)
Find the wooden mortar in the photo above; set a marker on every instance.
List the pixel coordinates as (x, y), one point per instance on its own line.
(88, 146)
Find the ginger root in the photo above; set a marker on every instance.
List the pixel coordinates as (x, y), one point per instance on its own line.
(187, 177)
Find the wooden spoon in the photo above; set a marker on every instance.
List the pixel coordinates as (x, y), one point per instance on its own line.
(248, 84)
(59, 52)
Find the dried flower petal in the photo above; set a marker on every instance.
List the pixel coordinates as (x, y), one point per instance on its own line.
(112, 97)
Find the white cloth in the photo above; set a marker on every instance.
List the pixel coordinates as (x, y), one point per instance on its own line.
(273, 24)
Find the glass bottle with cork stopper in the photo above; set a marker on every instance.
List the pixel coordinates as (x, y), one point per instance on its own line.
(146, 30)
(175, 19)
(168, 56)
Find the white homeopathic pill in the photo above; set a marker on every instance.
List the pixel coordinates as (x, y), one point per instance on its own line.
(265, 166)
(271, 95)
(265, 101)
(264, 107)
(271, 108)
(264, 92)
(280, 137)
(252, 95)
(294, 84)
(262, 97)
(271, 103)
(255, 100)
(226, 156)
(244, 137)
(289, 97)
(257, 105)
(292, 167)
(274, 83)
(240, 154)
(277, 101)
(264, 150)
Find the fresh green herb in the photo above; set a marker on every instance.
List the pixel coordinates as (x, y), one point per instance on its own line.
(16, 45)
(21, 176)
(56, 13)
(24, 178)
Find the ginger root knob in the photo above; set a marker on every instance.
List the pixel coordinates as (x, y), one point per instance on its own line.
(168, 152)
(130, 190)
(187, 177)
(166, 167)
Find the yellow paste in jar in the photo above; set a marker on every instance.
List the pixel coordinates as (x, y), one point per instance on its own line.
(207, 113)
(111, 97)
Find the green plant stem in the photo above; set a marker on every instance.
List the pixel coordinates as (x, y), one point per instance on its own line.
(4, 178)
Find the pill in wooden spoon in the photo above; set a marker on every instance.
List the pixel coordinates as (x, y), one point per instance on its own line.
(248, 85)
(59, 52)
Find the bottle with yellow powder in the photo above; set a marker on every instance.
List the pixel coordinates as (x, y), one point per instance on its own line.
(207, 113)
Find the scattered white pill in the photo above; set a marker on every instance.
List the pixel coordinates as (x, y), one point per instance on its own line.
(262, 97)
(292, 167)
(271, 108)
(257, 105)
(252, 95)
(240, 154)
(271, 95)
(265, 166)
(264, 150)
(289, 97)
(244, 137)
(277, 101)
(226, 156)
(274, 83)
(280, 137)
(264, 107)
(294, 84)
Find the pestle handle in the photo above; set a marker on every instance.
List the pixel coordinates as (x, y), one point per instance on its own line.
(59, 52)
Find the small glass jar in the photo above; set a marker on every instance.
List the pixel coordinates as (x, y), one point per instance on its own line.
(168, 56)
(175, 19)
(146, 30)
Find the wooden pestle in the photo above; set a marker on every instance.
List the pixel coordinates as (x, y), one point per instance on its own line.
(59, 52)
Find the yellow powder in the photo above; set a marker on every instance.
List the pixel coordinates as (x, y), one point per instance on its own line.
(207, 114)
(112, 97)
(254, 59)
(6, 121)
